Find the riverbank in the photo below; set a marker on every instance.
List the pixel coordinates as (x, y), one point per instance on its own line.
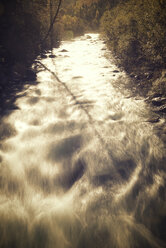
(146, 80)
(135, 33)
(150, 84)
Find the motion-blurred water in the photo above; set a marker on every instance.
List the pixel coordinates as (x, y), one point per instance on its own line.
(80, 165)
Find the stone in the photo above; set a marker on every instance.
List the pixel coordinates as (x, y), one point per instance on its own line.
(63, 51)
(149, 76)
(158, 101)
(132, 75)
(77, 77)
(154, 120)
(88, 37)
(52, 56)
(115, 71)
(137, 77)
(162, 109)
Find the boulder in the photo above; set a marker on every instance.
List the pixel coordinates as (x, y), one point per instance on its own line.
(158, 101)
(154, 120)
(52, 56)
(132, 75)
(88, 37)
(63, 51)
(161, 109)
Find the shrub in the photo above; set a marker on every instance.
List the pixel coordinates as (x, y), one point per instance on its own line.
(135, 31)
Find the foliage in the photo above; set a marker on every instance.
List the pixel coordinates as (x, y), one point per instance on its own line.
(86, 13)
(136, 31)
(24, 25)
(72, 23)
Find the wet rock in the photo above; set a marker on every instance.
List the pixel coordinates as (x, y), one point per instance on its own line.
(38, 92)
(158, 101)
(153, 96)
(116, 116)
(149, 75)
(161, 109)
(137, 77)
(154, 120)
(77, 77)
(132, 75)
(64, 51)
(88, 37)
(33, 100)
(52, 56)
(157, 95)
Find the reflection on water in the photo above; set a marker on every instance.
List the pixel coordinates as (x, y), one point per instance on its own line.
(80, 166)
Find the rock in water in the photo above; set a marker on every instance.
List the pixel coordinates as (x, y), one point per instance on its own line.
(52, 56)
(88, 37)
(64, 51)
(162, 109)
(158, 101)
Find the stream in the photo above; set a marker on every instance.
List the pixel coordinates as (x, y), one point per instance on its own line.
(81, 165)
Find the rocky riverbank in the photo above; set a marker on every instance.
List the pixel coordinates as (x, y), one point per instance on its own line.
(135, 33)
(151, 85)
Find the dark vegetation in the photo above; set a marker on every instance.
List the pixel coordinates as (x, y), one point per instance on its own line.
(135, 33)
(79, 16)
(24, 29)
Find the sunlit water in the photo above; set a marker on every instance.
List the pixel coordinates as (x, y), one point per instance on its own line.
(81, 166)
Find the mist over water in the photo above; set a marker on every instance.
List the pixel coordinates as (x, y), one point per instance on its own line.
(80, 164)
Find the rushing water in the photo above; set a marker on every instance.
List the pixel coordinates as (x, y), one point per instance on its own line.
(80, 165)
